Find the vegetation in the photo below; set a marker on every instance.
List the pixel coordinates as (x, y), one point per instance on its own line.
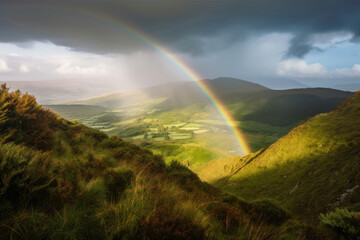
(62, 180)
(180, 114)
(345, 223)
(313, 169)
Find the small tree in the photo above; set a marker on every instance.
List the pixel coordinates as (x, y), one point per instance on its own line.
(343, 222)
(166, 136)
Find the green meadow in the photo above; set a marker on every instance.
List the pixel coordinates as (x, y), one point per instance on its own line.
(262, 115)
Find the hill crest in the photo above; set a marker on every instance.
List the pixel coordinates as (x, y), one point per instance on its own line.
(308, 170)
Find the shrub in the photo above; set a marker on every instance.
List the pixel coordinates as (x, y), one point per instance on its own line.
(343, 222)
(25, 225)
(269, 211)
(229, 216)
(22, 120)
(117, 181)
(121, 220)
(92, 194)
(162, 225)
(112, 143)
(182, 174)
(72, 223)
(24, 173)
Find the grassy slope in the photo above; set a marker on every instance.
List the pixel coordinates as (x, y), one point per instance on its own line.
(76, 112)
(283, 107)
(263, 115)
(62, 180)
(310, 170)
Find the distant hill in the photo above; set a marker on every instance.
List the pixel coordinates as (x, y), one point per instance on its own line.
(62, 90)
(263, 114)
(280, 84)
(190, 93)
(177, 94)
(348, 87)
(248, 101)
(284, 107)
(80, 111)
(228, 85)
(133, 98)
(313, 169)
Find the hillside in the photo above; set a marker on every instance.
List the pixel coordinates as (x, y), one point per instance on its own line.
(313, 169)
(62, 180)
(284, 107)
(178, 94)
(177, 120)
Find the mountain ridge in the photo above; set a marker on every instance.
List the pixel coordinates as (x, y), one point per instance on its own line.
(308, 169)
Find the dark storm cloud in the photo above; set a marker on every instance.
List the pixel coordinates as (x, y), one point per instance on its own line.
(188, 26)
(300, 45)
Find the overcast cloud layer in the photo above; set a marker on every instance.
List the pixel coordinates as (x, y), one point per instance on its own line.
(183, 25)
(281, 34)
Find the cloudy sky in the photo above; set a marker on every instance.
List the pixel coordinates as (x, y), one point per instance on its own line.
(312, 42)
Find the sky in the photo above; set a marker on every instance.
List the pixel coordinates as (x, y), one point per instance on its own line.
(277, 42)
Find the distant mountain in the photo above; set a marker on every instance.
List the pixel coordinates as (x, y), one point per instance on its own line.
(64, 90)
(280, 84)
(228, 85)
(284, 107)
(313, 169)
(348, 87)
(132, 98)
(265, 114)
(190, 93)
(177, 94)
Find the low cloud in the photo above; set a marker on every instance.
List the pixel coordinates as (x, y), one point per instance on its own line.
(48, 62)
(69, 66)
(295, 68)
(4, 67)
(24, 69)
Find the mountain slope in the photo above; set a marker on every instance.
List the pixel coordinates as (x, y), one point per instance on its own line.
(177, 94)
(62, 180)
(312, 169)
(178, 121)
(348, 87)
(283, 107)
(265, 114)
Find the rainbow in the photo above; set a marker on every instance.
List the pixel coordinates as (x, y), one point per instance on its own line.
(180, 64)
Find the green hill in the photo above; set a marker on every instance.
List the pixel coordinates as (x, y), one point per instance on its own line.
(178, 121)
(62, 180)
(283, 107)
(173, 95)
(313, 169)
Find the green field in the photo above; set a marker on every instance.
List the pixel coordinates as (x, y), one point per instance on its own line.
(179, 127)
(182, 116)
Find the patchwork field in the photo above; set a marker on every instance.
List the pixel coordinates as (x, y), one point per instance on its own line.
(179, 117)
